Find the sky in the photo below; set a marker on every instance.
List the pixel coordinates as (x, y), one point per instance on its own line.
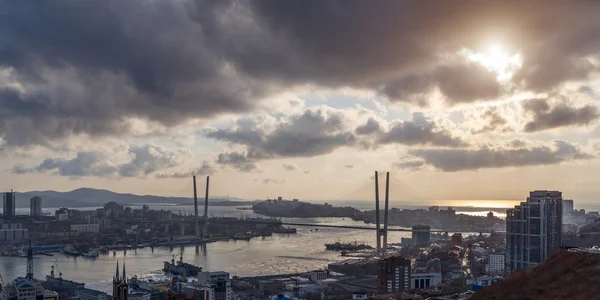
(301, 99)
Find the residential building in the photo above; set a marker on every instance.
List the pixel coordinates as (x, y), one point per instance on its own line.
(533, 229)
(318, 275)
(360, 296)
(393, 274)
(217, 285)
(457, 239)
(35, 206)
(9, 205)
(421, 234)
(496, 263)
(567, 206)
(425, 280)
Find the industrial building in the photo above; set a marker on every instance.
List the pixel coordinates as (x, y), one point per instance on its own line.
(393, 274)
(91, 228)
(533, 229)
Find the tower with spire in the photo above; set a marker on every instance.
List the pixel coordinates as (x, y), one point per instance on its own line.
(120, 285)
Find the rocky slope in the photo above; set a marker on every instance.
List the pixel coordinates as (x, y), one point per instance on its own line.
(564, 275)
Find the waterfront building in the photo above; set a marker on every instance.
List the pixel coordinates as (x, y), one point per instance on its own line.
(89, 294)
(24, 289)
(35, 206)
(13, 235)
(217, 285)
(496, 263)
(11, 226)
(9, 205)
(425, 280)
(91, 228)
(421, 234)
(533, 229)
(393, 274)
(567, 206)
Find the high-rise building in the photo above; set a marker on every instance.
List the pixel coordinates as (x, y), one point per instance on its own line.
(9, 204)
(533, 229)
(567, 206)
(393, 274)
(35, 206)
(421, 234)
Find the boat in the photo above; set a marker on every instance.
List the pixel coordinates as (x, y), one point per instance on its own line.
(243, 208)
(70, 250)
(91, 254)
(242, 236)
(337, 246)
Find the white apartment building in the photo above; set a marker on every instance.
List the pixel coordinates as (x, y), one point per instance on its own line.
(496, 263)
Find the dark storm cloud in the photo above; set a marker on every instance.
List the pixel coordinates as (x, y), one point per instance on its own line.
(236, 160)
(370, 127)
(86, 67)
(420, 130)
(544, 114)
(452, 160)
(314, 132)
(144, 160)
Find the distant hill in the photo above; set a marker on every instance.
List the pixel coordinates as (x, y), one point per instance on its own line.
(86, 197)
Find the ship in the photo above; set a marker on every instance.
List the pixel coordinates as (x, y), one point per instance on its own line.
(91, 254)
(337, 246)
(180, 267)
(284, 230)
(242, 236)
(70, 250)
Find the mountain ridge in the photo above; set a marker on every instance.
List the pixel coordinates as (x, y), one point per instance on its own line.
(89, 197)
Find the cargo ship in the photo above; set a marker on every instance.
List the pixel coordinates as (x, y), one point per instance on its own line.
(337, 246)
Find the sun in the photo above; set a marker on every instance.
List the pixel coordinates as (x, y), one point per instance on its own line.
(496, 59)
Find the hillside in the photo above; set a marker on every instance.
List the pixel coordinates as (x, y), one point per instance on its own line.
(86, 197)
(564, 275)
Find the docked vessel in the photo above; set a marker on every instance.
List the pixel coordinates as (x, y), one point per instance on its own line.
(337, 246)
(91, 254)
(181, 268)
(70, 250)
(242, 236)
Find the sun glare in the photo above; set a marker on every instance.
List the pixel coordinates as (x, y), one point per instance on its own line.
(496, 59)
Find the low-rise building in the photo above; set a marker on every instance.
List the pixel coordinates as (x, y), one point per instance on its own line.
(24, 289)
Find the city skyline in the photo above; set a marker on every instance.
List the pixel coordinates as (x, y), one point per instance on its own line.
(269, 104)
